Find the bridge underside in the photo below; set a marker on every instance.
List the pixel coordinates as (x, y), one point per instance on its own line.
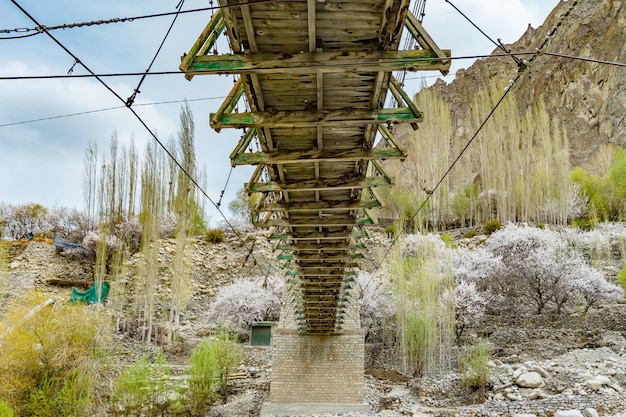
(315, 76)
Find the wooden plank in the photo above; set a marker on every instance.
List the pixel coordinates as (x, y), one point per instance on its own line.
(298, 118)
(312, 185)
(318, 222)
(306, 62)
(320, 205)
(422, 37)
(292, 157)
(205, 41)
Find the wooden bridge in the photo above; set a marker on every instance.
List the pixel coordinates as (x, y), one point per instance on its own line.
(315, 75)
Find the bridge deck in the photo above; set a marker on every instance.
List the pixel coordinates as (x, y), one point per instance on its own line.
(315, 75)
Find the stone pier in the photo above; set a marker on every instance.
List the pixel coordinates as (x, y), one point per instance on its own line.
(317, 373)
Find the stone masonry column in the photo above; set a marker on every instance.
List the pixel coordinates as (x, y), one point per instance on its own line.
(317, 373)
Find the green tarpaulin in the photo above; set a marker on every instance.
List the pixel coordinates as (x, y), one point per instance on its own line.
(92, 295)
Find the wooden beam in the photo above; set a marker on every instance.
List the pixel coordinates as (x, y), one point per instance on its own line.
(304, 118)
(243, 143)
(205, 41)
(312, 185)
(230, 102)
(386, 133)
(328, 62)
(317, 248)
(319, 205)
(291, 157)
(318, 222)
(397, 88)
(423, 38)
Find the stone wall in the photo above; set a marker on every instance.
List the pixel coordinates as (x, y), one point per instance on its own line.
(317, 368)
(310, 368)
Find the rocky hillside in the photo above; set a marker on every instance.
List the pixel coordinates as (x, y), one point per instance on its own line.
(541, 364)
(587, 98)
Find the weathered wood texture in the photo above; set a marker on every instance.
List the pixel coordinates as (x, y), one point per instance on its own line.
(316, 75)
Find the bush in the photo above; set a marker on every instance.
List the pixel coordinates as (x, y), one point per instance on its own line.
(607, 195)
(448, 240)
(492, 226)
(66, 396)
(138, 389)
(473, 364)
(215, 235)
(211, 362)
(5, 409)
(47, 351)
(470, 234)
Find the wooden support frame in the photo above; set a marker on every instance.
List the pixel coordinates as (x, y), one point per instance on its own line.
(312, 185)
(415, 28)
(205, 41)
(319, 205)
(304, 118)
(328, 62)
(319, 222)
(293, 157)
(229, 103)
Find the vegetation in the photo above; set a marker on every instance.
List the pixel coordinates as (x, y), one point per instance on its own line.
(606, 192)
(211, 362)
(215, 235)
(139, 388)
(492, 226)
(473, 364)
(523, 168)
(247, 301)
(243, 206)
(425, 320)
(47, 356)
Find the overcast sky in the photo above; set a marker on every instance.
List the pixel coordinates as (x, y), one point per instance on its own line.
(42, 161)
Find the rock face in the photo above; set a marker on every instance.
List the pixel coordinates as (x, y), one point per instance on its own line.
(588, 99)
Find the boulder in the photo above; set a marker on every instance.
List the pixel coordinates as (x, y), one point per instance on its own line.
(539, 370)
(590, 412)
(530, 380)
(568, 413)
(535, 394)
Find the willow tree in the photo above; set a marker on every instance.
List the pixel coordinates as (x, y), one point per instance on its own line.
(147, 276)
(421, 275)
(428, 150)
(185, 208)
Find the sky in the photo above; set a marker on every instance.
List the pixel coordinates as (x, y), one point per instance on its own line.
(42, 161)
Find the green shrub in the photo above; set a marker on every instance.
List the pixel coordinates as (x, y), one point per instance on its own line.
(210, 363)
(215, 235)
(448, 240)
(607, 195)
(47, 351)
(473, 364)
(470, 234)
(5, 409)
(68, 395)
(621, 277)
(138, 389)
(492, 226)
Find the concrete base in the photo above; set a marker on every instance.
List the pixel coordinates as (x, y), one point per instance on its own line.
(307, 409)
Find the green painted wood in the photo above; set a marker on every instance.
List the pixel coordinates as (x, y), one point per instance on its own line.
(305, 118)
(290, 157)
(315, 185)
(311, 62)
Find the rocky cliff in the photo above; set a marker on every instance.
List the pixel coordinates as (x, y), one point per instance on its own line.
(588, 99)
